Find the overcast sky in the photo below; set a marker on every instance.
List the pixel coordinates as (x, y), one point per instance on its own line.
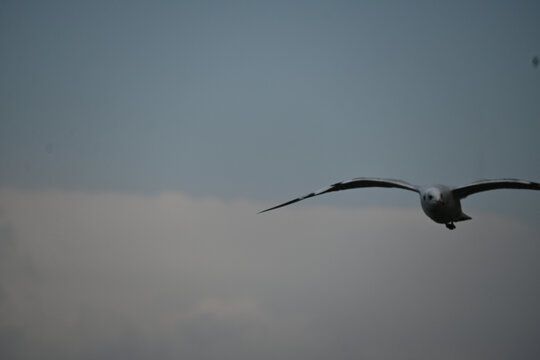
(138, 140)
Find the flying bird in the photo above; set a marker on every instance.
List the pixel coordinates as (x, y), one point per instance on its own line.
(440, 203)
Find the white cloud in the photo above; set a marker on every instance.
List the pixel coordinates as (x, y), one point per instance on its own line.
(103, 276)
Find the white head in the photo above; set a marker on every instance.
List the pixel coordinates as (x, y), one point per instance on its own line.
(432, 197)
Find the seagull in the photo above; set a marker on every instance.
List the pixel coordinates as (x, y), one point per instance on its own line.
(440, 203)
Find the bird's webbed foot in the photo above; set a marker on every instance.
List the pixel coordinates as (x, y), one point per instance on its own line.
(450, 226)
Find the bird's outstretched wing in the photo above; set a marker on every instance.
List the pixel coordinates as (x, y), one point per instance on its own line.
(484, 185)
(353, 184)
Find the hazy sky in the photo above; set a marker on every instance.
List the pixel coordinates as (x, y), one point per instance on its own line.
(138, 139)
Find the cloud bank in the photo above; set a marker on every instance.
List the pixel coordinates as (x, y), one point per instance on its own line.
(168, 276)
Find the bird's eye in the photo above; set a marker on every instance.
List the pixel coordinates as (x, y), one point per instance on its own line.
(430, 197)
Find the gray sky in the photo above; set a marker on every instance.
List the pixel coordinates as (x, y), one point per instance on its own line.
(138, 139)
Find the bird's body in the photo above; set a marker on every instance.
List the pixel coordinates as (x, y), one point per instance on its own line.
(440, 203)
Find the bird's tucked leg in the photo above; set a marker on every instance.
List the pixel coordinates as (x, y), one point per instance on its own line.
(450, 226)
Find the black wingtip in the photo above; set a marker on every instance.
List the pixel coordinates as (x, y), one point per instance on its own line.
(281, 205)
(265, 210)
(272, 208)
